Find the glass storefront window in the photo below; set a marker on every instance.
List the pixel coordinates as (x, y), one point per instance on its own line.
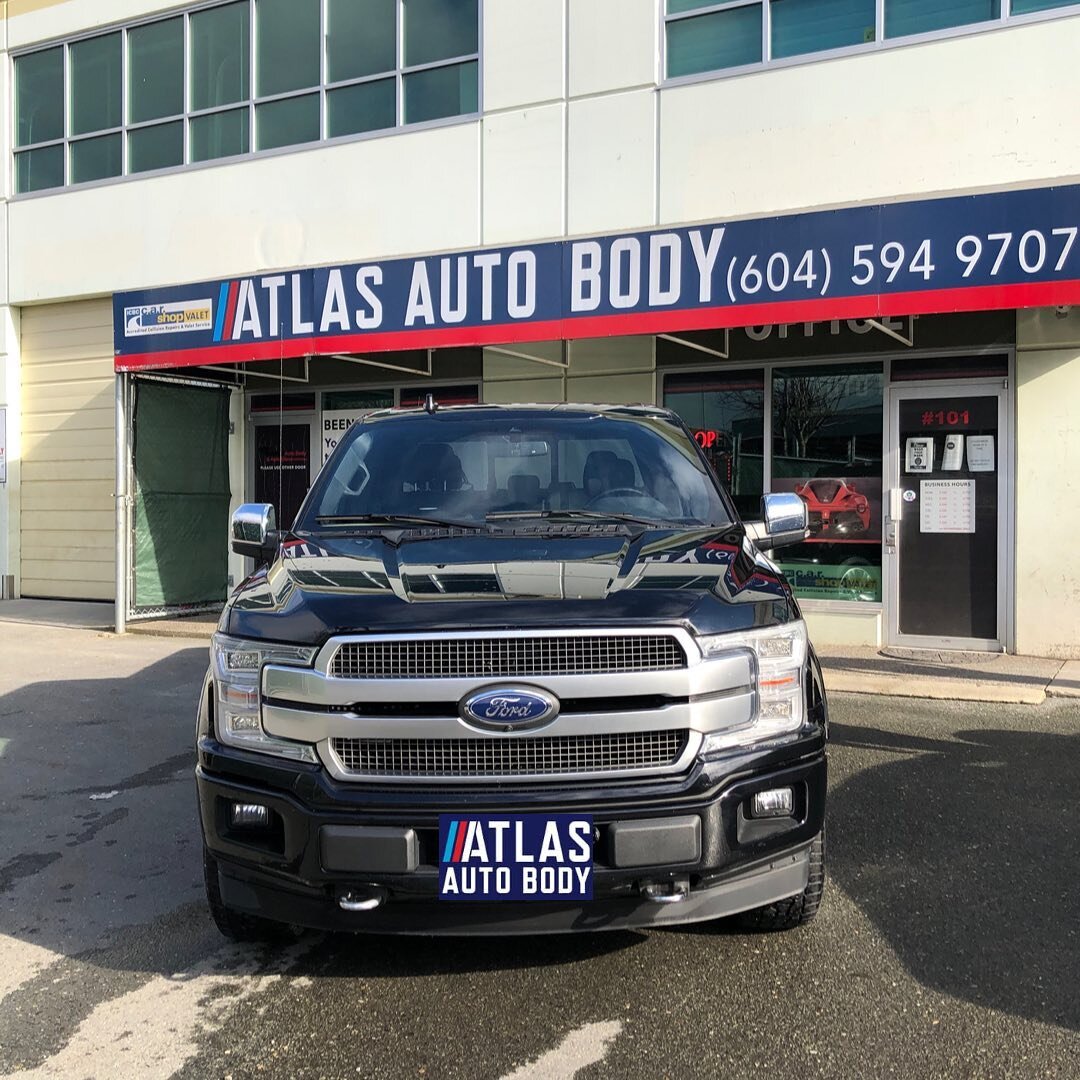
(720, 39)
(366, 106)
(220, 134)
(440, 30)
(156, 71)
(361, 38)
(287, 46)
(1025, 7)
(243, 76)
(806, 26)
(904, 17)
(435, 93)
(96, 159)
(39, 97)
(37, 170)
(287, 121)
(96, 90)
(827, 448)
(827, 431)
(726, 413)
(220, 56)
(159, 146)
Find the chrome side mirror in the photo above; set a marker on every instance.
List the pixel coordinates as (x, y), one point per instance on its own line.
(785, 520)
(254, 530)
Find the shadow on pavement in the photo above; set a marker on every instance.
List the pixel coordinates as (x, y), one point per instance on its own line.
(100, 845)
(964, 855)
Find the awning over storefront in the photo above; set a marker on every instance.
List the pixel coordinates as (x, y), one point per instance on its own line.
(1009, 249)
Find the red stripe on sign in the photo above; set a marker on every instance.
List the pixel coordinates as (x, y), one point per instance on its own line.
(461, 838)
(230, 311)
(927, 302)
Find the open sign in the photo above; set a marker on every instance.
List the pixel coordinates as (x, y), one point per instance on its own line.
(707, 438)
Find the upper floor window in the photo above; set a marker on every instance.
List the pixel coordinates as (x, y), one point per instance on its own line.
(702, 35)
(238, 78)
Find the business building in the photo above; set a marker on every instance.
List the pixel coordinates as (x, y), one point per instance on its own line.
(838, 236)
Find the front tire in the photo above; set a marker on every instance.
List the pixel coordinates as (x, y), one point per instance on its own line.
(795, 910)
(236, 925)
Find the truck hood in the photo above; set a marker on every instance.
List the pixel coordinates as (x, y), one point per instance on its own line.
(705, 580)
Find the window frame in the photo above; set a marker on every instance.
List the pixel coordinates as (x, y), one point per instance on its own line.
(1004, 21)
(250, 101)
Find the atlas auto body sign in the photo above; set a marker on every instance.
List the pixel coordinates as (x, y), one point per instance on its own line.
(980, 252)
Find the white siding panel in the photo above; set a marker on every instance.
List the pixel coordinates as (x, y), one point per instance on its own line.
(523, 174)
(613, 45)
(975, 112)
(523, 47)
(68, 451)
(611, 166)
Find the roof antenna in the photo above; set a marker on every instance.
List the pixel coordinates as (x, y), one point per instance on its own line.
(430, 404)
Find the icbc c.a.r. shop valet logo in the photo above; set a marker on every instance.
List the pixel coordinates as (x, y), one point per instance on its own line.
(173, 318)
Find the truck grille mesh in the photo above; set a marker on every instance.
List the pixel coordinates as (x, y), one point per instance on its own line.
(532, 756)
(506, 657)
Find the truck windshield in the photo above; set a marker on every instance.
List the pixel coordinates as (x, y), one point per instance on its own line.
(479, 467)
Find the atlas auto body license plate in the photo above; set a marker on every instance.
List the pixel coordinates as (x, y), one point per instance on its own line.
(516, 857)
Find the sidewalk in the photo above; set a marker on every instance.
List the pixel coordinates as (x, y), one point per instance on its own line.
(967, 676)
(915, 673)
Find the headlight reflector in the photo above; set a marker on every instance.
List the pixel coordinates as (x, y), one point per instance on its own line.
(237, 667)
(780, 656)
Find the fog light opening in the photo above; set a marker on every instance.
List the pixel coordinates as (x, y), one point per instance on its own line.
(774, 803)
(249, 816)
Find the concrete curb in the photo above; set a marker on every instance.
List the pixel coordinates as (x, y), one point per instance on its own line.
(944, 689)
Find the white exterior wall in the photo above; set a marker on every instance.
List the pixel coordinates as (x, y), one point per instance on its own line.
(576, 139)
(1047, 483)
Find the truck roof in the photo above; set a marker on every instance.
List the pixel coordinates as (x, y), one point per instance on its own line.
(583, 408)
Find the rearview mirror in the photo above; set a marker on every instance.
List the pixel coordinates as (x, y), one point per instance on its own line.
(254, 531)
(785, 521)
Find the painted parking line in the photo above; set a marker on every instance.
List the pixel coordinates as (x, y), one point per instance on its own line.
(584, 1046)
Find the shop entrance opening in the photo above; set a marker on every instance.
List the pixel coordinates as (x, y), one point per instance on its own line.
(945, 541)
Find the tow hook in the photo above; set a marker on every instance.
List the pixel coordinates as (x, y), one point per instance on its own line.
(361, 899)
(667, 892)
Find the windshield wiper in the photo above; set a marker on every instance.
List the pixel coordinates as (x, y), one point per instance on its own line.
(394, 520)
(573, 515)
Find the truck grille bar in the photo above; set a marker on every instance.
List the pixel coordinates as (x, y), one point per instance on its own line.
(507, 657)
(513, 758)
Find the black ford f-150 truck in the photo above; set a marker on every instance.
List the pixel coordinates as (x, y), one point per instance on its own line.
(513, 669)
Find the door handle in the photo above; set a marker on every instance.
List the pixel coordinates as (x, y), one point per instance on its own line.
(890, 532)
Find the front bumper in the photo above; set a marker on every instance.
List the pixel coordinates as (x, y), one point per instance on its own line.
(278, 873)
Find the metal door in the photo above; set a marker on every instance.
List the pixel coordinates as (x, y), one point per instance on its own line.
(946, 523)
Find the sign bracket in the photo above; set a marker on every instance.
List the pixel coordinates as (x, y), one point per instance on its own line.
(723, 354)
(909, 341)
(562, 365)
(352, 358)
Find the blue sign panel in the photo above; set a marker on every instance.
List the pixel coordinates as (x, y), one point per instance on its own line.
(516, 857)
(969, 253)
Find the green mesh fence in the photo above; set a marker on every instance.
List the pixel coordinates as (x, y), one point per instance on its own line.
(181, 463)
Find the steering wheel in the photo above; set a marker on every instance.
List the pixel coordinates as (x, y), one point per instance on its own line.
(633, 493)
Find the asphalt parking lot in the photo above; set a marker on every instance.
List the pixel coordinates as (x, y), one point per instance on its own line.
(947, 946)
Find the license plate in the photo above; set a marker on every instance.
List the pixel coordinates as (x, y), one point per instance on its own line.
(516, 857)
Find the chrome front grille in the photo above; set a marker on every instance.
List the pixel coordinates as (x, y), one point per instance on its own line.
(515, 758)
(507, 657)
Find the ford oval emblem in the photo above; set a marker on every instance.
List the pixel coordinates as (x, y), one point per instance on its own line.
(509, 708)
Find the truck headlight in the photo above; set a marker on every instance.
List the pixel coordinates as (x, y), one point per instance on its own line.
(238, 693)
(780, 657)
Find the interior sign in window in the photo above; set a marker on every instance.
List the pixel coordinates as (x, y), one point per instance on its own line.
(947, 506)
(335, 422)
